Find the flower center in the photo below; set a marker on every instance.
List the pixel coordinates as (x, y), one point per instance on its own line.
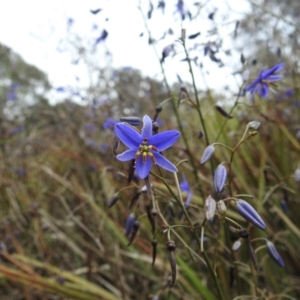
(144, 150)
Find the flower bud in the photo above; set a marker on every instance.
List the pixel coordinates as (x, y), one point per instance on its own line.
(134, 121)
(135, 228)
(274, 254)
(207, 154)
(254, 125)
(221, 207)
(210, 208)
(129, 224)
(220, 178)
(113, 200)
(236, 245)
(250, 214)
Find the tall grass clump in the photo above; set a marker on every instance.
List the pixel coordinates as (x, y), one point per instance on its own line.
(159, 190)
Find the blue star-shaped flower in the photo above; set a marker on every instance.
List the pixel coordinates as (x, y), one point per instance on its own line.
(144, 147)
(265, 78)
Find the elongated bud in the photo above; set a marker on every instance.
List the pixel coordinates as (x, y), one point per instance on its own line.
(236, 245)
(274, 254)
(136, 226)
(129, 224)
(207, 154)
(221, 207)
(113, 200)
(254, 125)
(135, 198)
(116, 145)
(171, 248)
(250, 214)
(210, 208)
(223, 112)
(134, 121)
(220, 178)
(151, 214)
(154, 246)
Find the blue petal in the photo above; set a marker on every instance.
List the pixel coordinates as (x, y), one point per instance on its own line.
(163, 162)
(147, 127)
(188, 199)
(127, 155)
(128, 136)
(164, 140)
(143, 168)
(263, 90)
(184, 185)
(275, 77)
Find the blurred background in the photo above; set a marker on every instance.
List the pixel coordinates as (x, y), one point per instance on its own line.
(69, 71)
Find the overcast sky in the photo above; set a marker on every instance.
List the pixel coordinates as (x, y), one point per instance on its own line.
(37, 29)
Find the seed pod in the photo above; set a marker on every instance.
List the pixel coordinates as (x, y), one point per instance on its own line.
(210, 208)
(154, 246)
(134, 232)
(131, 171)
(113, 200)
(171, 248)
(133, 121)
(207, 154)
(116, 145)
(220, 178)
(129, 224)
(151, 217)
(135, 198)
(193, 36)
(223, 112)
(250, 214)
(274, 254)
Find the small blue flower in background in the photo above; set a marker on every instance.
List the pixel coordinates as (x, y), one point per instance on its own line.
(265, 78)
(185, 187)
(12, 93)
(17, 129)
(144, 147)
(110, 123)
(102, 37)
(90, 127)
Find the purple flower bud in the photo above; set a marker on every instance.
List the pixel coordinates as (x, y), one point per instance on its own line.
(220, 178)
(250, 214)
(210, 208)
(274, 254)
(207, 154)
(129, 224)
